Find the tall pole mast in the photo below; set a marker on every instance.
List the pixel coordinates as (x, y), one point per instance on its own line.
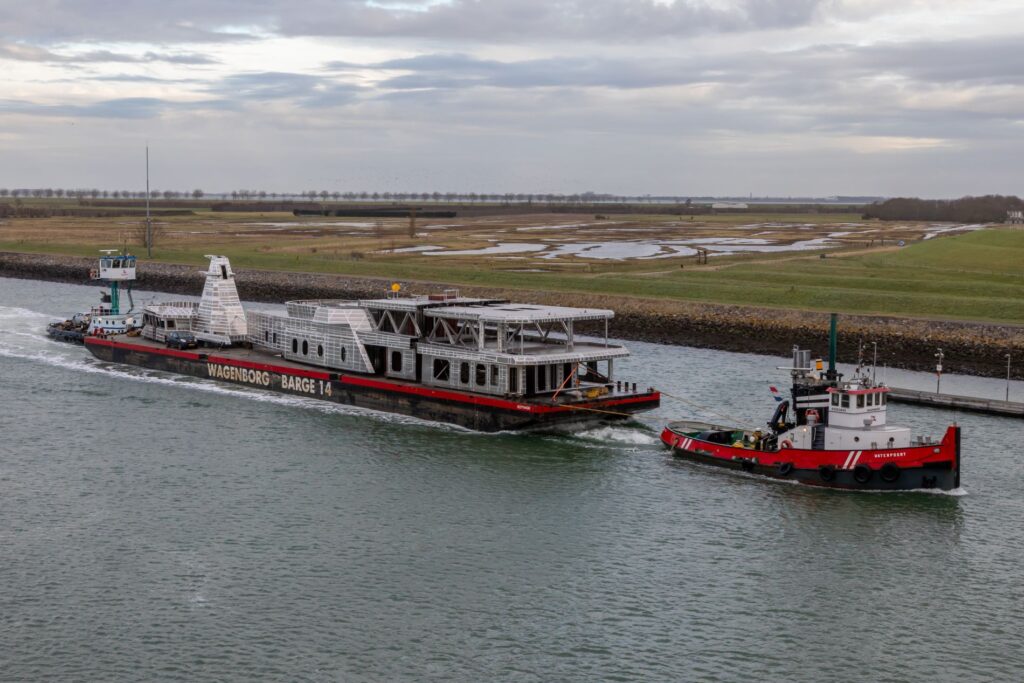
(149, 223)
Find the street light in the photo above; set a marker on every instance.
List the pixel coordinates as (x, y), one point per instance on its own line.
(874, 362)
(1007, 377)
(938, 370)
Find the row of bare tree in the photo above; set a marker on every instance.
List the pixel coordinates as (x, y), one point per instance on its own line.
(51, 192)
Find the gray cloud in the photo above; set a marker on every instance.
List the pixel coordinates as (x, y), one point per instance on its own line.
(220, 20)
(302, 89)
(120, 108)
(35, 53)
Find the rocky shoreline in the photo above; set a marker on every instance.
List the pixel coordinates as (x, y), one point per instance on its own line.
(970, 348)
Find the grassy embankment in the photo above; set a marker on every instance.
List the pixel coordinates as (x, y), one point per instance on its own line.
(975, 276)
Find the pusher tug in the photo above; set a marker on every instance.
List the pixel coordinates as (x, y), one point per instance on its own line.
(485, 364)
(838, 437)
(115, 271)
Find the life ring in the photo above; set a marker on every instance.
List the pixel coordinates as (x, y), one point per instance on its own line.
(890, 472)
(862, 473)
(785, 469)
(827, 472)
(786, 443)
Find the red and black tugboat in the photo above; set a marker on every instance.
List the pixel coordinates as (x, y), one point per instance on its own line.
(832, 433)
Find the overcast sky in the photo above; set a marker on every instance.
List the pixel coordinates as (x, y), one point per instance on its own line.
(692, 97)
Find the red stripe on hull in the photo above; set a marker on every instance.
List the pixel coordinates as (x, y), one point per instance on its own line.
(915, 456)
(652, 398)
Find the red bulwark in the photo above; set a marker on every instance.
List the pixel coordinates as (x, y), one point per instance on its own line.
(383, 385)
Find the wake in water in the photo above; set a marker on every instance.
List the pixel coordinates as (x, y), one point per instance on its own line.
(26, 340)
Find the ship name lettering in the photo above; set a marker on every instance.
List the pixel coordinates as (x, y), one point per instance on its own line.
(233, 374)
(303, 385)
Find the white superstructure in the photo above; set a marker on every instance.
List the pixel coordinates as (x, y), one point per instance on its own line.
(855, 419)
(220, 318)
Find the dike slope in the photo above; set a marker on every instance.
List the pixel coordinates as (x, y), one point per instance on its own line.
(971, 348)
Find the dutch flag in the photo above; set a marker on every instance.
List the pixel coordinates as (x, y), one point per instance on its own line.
(775, 394)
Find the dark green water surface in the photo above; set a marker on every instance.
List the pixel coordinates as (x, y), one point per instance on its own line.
(162, 528)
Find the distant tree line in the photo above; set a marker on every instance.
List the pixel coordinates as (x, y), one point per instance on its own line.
(60, 193)
(988, 209)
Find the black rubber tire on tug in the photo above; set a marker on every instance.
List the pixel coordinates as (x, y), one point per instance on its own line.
(862, 473)
(890, 472)
(827, 472)
(785, 469)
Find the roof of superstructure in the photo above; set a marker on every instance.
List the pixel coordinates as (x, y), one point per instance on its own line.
(407, 303)
(179, 309)
(520, 313)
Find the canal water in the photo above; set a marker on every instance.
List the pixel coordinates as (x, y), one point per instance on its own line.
(162, 528)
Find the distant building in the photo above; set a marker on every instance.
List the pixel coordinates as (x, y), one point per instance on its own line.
(1015, 217)
(729, 205)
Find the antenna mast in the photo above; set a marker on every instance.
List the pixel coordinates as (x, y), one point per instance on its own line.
(149, 223)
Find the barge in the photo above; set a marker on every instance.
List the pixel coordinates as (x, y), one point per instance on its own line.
(485, 364)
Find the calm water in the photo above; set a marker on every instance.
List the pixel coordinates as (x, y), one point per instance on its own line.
(174, 529)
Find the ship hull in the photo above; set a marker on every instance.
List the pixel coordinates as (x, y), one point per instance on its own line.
(907, 469)
(57, 333)
(473, 411)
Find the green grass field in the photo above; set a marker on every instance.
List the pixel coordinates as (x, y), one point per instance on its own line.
(973, 276)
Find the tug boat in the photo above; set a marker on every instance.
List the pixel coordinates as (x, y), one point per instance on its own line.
(836, 436)
(485, 364)
(116, 271)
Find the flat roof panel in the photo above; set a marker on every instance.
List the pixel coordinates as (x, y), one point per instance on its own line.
(520, 313)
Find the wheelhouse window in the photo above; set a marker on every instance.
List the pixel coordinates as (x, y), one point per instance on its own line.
(860, 400)
(481, 374)
(442, 370)
(844, 401)
(494, 375)
(835, 399)
(464, 373)
(396, 361)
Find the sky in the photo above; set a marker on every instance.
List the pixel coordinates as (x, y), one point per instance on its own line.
(684, 97)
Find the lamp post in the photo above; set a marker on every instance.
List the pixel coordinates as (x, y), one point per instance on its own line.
(874, 361)
(1007, 377)
(938, 370)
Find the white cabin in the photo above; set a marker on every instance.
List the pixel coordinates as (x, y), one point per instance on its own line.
(856, 420)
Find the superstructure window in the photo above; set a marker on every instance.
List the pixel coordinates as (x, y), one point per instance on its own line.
(396, 361)
(835, 399)
(871, 400)
(442, 369)
(481, 374)
(845, 401)
(343, 353)
(494, 375)
(295, 345)
(305, 347)
(320, 350)
(464, 373)
(513, 380)
(860, 400)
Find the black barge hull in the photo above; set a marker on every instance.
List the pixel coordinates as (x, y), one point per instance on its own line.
(473, 411)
